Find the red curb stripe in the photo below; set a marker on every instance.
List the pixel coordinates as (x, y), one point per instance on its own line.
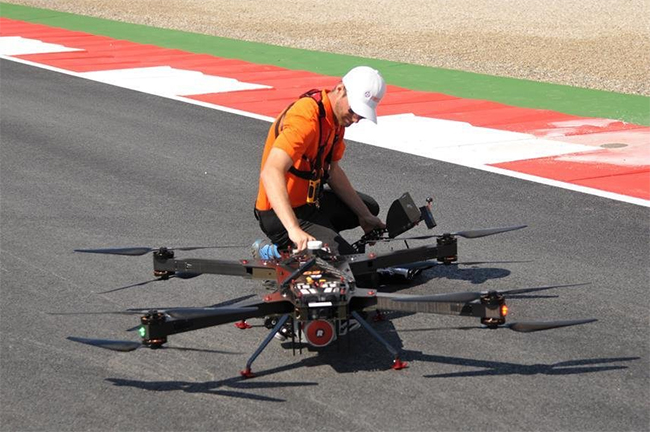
(442, 108)
(501, 116)
(630, 181)
(635, 185)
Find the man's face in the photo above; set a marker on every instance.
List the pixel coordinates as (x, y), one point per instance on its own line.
(342, 111)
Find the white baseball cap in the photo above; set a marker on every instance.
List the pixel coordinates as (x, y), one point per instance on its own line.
(365, 88)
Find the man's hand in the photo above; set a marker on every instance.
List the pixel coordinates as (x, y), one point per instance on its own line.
(274, 178)
(370, 222)
(300, 238)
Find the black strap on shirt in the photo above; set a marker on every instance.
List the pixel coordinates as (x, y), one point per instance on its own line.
(316, 171)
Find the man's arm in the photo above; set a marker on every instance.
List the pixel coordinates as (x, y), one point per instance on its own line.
(273, 177)
(342, 187)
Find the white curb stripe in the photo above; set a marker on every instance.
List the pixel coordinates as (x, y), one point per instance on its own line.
(168, 81)
(456, 142)
(16, 45)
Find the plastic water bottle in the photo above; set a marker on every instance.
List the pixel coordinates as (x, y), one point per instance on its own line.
(265, 250)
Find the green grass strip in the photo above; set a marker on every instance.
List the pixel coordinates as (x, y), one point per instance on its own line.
(510, 91)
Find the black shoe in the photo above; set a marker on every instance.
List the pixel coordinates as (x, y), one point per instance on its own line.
(349, 325)
(285, 332)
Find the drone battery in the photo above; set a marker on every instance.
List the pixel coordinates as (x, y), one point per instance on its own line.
(403, 215)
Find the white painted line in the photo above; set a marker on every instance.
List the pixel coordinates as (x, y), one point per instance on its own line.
(168, 81)
(598, 122)
(540, 180)
(493, 153)
(16, 45)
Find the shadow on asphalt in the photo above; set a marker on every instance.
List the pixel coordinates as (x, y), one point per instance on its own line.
(493, 368)
(358, 352)
(238, 387)
(373, 357)
(475, 276)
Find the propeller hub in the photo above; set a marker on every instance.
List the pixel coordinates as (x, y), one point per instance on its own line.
(164, 253)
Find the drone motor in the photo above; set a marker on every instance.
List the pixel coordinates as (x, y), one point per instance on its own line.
(445, 242)
(150, 330)
(495, 309)
(163, 253)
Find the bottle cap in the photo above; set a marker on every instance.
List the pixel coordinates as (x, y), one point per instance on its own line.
(314, 245)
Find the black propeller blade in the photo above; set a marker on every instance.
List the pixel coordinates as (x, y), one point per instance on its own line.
(113, 345)
(521, 327)
(132, 251)
(178, 313)
(469, 234)
(233, 302)
(193, 313)
(533, 326)
(461, 297)
(131, 286)
(137, 251)
(179, 275)
(486, 232)
(465, 297)
(527, 290)
(122, 312)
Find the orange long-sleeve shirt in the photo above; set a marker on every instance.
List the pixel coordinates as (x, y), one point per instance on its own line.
(298, 136)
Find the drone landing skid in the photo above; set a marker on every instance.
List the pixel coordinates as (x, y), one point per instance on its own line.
(248, 373)
(397, 363)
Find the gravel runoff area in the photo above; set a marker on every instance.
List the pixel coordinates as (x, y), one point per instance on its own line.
(599, 44)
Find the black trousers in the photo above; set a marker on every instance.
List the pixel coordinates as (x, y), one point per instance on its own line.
(324, 222)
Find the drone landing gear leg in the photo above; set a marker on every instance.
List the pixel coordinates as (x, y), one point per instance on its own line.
(247, 373)
(397, 363)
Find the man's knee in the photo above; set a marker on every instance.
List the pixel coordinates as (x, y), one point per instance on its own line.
(370, 203)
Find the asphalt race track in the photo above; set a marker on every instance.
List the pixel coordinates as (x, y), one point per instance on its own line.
(87, 165)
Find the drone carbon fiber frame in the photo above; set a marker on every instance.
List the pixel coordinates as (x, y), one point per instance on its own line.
(316, 289)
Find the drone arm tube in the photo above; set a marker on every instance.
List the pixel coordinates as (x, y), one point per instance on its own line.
(439, 308)
(254, 270)
(375, 334)
(386, 301)
(370, 263)
(161, 329)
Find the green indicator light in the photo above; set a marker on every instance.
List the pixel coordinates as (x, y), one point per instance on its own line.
(142, 332)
